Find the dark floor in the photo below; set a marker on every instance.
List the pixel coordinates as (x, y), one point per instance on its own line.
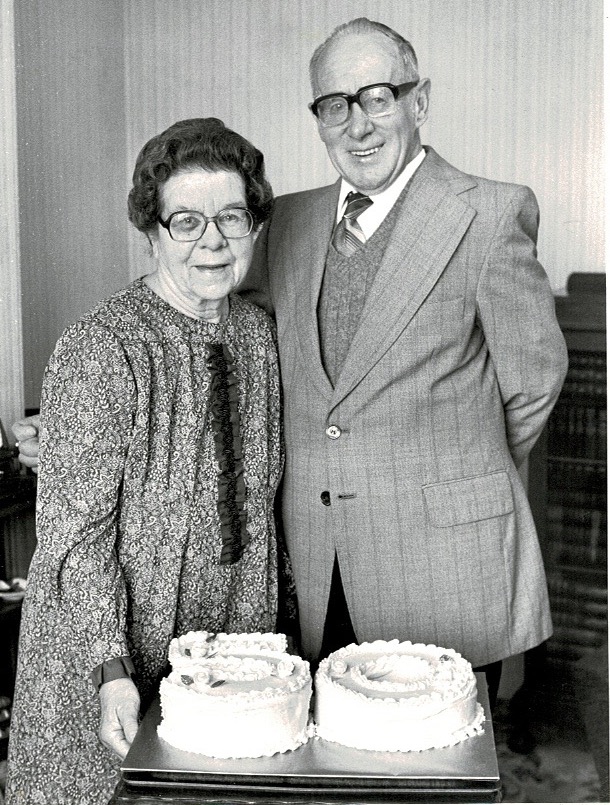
(552, 743)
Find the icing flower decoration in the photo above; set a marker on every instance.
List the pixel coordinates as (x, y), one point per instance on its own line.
(284, 668)
(338, 668)
(201, 680)
(200, 650)
(195, 645)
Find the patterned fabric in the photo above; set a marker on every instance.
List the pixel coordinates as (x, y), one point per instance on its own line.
(348, 236)
(129, 535)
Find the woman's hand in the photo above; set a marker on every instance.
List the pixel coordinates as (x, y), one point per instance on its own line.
(26, 432)
(120, 703)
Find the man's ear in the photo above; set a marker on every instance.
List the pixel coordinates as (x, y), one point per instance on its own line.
(422, 101)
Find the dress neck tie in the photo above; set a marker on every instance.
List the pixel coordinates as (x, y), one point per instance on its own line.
(348, 236)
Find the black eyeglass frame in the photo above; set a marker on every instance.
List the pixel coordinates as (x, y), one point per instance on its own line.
(166, 224)
(396, 89)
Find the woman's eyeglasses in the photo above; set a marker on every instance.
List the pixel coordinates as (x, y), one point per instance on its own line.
(187, 225)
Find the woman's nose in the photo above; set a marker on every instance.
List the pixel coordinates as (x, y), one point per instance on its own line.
(212, 238)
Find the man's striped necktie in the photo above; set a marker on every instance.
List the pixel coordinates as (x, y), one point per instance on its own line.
(348, 236)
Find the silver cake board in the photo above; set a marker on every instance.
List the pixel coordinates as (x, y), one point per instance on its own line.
(318, 772)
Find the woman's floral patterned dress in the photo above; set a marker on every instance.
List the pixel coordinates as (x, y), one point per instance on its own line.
(160, 453)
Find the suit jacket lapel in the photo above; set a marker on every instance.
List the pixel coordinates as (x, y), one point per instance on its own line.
(317, 216)
(428, 231)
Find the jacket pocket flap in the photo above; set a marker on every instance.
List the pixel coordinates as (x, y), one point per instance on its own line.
(467, 500)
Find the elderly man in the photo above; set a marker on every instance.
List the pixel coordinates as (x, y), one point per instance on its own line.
(420, 359)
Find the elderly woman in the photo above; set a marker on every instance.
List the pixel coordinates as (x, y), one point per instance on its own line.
(159, 460)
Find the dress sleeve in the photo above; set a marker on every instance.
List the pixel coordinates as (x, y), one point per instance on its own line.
(287, 618)
(116, 668)
(87, 414)
(517, 313)
(275, 434)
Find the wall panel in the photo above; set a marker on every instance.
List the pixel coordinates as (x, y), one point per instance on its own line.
(71, 144)
(516, 95)
(517, 92)
(11, 354)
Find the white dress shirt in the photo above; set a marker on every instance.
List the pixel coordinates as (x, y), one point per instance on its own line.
(383, 202)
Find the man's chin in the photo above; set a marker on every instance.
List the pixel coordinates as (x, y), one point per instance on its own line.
(366, 175)
(369, 185)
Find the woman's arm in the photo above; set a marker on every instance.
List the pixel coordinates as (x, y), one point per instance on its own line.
(87, 411)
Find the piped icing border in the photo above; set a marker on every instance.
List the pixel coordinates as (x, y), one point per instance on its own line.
(202, 660)
(335, 667)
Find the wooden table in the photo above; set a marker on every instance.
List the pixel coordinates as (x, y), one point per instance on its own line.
(319, 773)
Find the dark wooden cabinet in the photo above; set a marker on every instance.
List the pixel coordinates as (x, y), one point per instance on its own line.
(568, 480)
(567, 484)
(17, 503)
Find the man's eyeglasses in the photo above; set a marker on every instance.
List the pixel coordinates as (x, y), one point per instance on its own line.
(187, 225)
(375, 100)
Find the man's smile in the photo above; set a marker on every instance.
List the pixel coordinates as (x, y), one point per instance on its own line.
(366, 153)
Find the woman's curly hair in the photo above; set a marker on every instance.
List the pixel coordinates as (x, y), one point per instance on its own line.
(203, 142)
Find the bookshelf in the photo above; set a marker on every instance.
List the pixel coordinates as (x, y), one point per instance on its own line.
(568, 480)
(568, 495)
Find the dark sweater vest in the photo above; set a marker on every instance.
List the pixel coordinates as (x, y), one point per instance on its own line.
(345, 288)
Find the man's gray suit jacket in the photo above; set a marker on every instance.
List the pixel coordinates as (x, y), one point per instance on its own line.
(449, 380)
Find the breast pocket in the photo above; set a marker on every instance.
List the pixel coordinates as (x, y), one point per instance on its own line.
(468, 500)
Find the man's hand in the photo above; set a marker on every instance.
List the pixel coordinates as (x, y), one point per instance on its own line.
(26, 433)
(120, 704)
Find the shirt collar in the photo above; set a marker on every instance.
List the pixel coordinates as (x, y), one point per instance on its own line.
(383, 202)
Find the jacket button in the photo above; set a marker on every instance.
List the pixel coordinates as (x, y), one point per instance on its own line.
(325, 498)
(333, 432)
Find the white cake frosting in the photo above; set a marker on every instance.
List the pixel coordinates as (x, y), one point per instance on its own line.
(396, 697)
(235, 695)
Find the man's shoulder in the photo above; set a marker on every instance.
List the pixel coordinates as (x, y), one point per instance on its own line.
(462, 180)
(304, 198)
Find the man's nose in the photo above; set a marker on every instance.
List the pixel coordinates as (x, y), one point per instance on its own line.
(212, 238)
(358, 124)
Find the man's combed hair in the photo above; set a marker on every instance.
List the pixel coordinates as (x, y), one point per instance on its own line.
(190, 144)
(362, 25)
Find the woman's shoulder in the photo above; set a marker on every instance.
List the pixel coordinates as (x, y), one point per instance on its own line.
(120, 317)
(122, 309)
(126, 301)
